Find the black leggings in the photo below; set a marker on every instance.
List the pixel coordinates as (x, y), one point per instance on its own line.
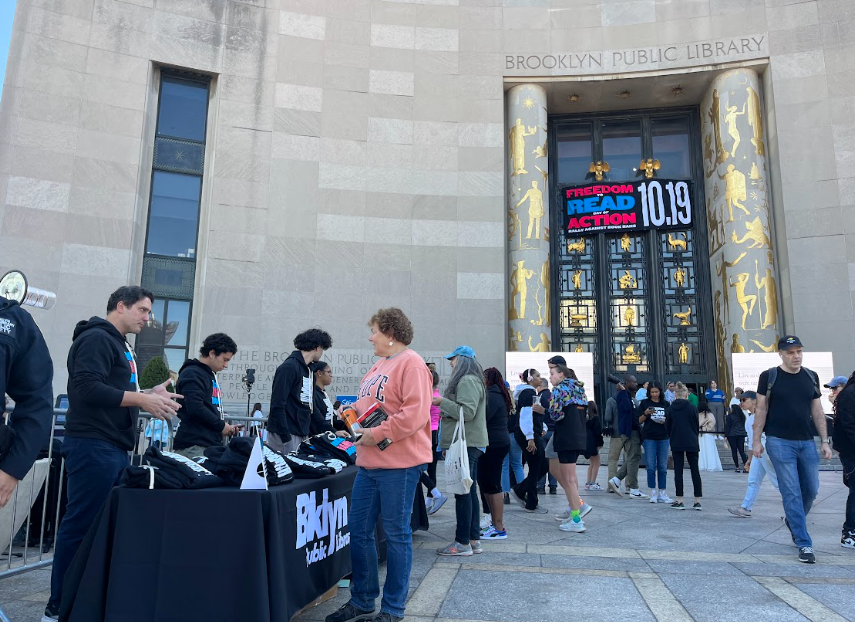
(429, 478)
(537, 466)
(737, 444)
(692, 458)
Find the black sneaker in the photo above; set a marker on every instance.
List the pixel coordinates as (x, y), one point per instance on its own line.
(348, 612)
(385, 616)
(51, 613)
(678, 505)
(507, 499)
(553, 490)
(806, 555)
(697, 506)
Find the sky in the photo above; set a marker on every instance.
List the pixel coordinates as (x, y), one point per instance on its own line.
(7, 14)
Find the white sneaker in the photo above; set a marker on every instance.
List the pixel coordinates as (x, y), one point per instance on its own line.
(584, 510)
(664, 498)
(635, 493)
(569, 525)
(486, 523)
(614, 486)
(654, 496)
(562, 516)
(428, 504)
(595, 486)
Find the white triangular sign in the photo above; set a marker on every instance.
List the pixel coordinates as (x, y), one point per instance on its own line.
(251, 479)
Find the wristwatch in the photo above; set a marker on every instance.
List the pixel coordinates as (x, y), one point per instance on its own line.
(826, 441)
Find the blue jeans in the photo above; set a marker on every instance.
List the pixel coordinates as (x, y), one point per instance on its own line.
(541, 483)
(656, 453)
(512, 461)
(797, 467)
(386, 494)
(760, 468)
(93, 467)
(468, 506)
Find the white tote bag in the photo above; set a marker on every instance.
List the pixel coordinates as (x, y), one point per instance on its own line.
(457, 479)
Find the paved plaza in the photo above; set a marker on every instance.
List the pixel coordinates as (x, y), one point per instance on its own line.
(637, 562)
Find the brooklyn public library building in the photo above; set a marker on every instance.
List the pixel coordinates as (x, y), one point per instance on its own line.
(659, 182)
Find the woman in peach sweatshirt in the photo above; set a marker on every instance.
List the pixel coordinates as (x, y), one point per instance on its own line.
(386, 481)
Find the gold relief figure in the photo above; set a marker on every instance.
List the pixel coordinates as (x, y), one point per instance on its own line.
(630, 356)
(541, 151)
(578, 348)
(709, 156)
(578, 246)
(543, 174)
(597, 169)
(772, 347)
(648, 166)
(627, 281)
(735, 190)
(730, 120)
(517, 137)
(629, 316)
(715, 116)
(625, 242)
(519, 285)
(755, 172)
(746, 301)
(577, 279)
(683, 351)
(756, 233)
(676, 243)
(735, 346)
(543, 346)
(543, 311)
(513, 224)
(712, 219)
(680, 276)
(721, 270)
(534, 196)
(720, 338)
(755, 120)
(683, 317)
(576, 319)
(770, 295)
(515, 338)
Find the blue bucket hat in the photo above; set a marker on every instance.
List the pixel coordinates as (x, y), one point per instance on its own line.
(462, 351)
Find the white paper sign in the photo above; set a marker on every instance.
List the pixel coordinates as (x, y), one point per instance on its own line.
(251, 479)
(580, 362)
(748, 367)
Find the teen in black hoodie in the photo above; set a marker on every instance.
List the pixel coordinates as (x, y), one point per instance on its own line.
(202, 422)
(291, 400)
(104, 400)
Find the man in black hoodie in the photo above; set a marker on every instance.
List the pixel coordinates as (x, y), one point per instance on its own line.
(202, 422)
(26, 374)
(293, 388)
(104, 400)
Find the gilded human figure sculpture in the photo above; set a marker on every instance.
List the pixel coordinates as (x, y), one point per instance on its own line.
(746, 301)
(598, 169)
(519, 287)
(578, 348)
(680, 276)
(541, 346)
(755, 120)
(684, 316)
(767, 285)
(649, 167)
(683, 352)
(734, 191)
(629, 316)
(517, 137)
(577, 279)
(756, 234)
(721, 270)
(735, 346)
(544, 312)
(714, 114)
(627, 281)
(625, 242)
(534, 196)
(730, 120)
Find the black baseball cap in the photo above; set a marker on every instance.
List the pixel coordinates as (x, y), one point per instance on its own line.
(789, 341)
(749, 395)
(557, 360)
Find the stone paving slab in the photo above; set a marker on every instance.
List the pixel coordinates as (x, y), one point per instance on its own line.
(838, 598)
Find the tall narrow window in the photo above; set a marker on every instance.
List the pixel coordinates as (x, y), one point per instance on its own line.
(169, 264)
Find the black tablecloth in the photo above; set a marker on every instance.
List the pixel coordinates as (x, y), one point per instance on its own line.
(215, 554)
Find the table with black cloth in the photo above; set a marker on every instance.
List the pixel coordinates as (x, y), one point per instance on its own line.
(207, 555)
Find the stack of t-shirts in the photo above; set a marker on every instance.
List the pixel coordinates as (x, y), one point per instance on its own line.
(164, 469)
(278, 471)
(327, 443)
(230, 462)
(308, 466)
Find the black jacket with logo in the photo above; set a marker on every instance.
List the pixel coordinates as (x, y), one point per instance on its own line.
(291, 398)
(100, 370)
(26, 374)
(844, 426)
(201, 423)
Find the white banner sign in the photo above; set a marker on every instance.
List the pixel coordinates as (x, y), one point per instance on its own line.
(748, 367)
(580, 362)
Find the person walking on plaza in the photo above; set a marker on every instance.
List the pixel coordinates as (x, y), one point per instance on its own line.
(844, 445)
(529, 436)
(291, 398)
(490, 467)
(466, 397)
(104, 400)
(734, 432)
(760, 467)
(681, 421)
(593, 442)
(386, 479)
(435, 499)
(708, 459)
(651, 418)
(202, 421)
(544, 395)
(787, 401)
(715, 399)
(620, 417)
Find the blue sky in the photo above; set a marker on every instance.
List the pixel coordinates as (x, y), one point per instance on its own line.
(7, 14)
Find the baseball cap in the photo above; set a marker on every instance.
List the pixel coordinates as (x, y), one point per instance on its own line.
(837, 381)
(557, 360)
(749, 395)
(462, 351)
(789, 341)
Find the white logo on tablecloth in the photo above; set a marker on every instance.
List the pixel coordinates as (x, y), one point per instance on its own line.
(319, 521)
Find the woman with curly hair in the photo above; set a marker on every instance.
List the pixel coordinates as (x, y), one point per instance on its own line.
(386, 481)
